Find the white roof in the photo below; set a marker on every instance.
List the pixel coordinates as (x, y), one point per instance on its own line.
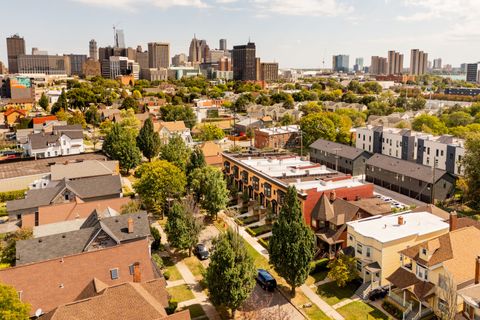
(280, 130)
(57, 227)
(386, 228)
(327, 185)
(286, 167)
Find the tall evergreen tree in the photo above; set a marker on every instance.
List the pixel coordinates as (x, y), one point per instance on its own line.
(62, 103)
(43, 102)
(120, 145)
(292, 244)
(176, 152)
(197, 160)
(230, 275)
(148, 140)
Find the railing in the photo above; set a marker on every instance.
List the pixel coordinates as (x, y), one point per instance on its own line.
(422, 314)
(407, 311)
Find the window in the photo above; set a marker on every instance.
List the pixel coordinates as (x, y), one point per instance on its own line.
(66, 196)
(131, 268)
(114, 274)
(428, 150)
(441, 153)
(268, 189)
(368, 252)
(20, 294)
(436, 152)
(256, 183)
(359, 248)
(424, 251)
(422, 272)
(350, 237)
(442, 305)
(359, 265)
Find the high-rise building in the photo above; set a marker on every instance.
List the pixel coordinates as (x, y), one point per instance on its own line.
(93, 51)
(269, 71)
(179, 60)
(15, 47)
(215, 56)
(395, 63)
(358, 65)
(379, 65)
(198, 51)
(223, 44)
(472, 72)
(119, 39)
(225, 64)
(244, 62)
(142, 60)
(43, 64)
(418, 62)
(340, 63)
(463, 67)
(158, 55)
(122, 66)
(77, 62)
(437, 64)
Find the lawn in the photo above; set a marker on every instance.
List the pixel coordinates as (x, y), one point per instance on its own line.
(248, 220)
(257, 231)
(332, 294)
(195, 310)
(316, 277)
(361, 310)
(3, 209)
(172, 269)
(195, 266)
(181, 293)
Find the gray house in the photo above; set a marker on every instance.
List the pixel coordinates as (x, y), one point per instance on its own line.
(409, 178)
(340, 157)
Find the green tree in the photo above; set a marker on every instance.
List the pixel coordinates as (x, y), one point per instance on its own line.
(8, 252)
(157, 238)
(176, 152)
(80, 98)
(148, 140)
(178, 113)
(77, 118)
(130, 103)
(292, 244)
(230, 276)
(43, 102)
(343, 270)
(317, 126)
(287, 120)
(11, 307)
(210, 189)
(62, 115)
(120, 145)
(472, 169)
(62, 103)
(130, 207)
(92, 116)
(426, 122)
(197, 160)
(183, 227)
(158, 181)
(311, 107)
(211, 132)
(136, 95)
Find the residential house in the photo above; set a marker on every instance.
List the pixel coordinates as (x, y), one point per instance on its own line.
(333, 106)
(63, 140)
(242, 126)
(13, 116)
(340, 157)
(109, 114)
(376, 241)
(212, 153)
(38, 122)
(130, 300)
(84, 169)
(65, 191)
(275, 112)
(66, 268)
(277, 137)
(409, 178)
(166, 130)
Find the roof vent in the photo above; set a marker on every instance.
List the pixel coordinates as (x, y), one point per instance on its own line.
(39, 240)
(64, 236)
(61, 286)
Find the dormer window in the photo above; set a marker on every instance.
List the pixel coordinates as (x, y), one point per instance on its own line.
(424, 251)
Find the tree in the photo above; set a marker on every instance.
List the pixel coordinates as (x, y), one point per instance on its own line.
(8, 252)
(130, 207)
(130, 103)
(317, 126)
(43, 102)
(287, 120)
(148, 140)
(429, 122)
(136, 95)
(77, 118)
(292, 244)
(120, 145)
(230, 276)
(178, 113)
(176, 152)
(211, 132)
(311, 107)
(62, 115)
(11, 307)
(62, 103)
(183, 227)
(92, 116)
(210, 189)
(158, 181)
(447, 291)
(343, 269)
(197, 160)
(157, 238)
(80, 98)
(472, 169)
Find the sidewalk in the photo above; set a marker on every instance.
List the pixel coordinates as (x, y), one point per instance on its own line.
(325, 307)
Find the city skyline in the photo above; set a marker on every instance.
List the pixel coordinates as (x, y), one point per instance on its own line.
(371, 29)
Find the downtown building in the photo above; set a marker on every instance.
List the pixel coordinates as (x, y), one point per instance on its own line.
(418, 62)
(268, 71)
(340, 63)
(198, 51)
(15, 47)
(244, 62)
(158, 55)
(378, 66)
(395, 63)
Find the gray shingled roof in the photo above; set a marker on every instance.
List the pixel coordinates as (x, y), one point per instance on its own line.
(88, 168)
(344, 151)
(69, 243)
(407, 168)
(42, 140)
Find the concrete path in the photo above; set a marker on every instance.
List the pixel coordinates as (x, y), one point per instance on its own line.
(265, 235)
(319, 283)
(345, 302)
(175, 283)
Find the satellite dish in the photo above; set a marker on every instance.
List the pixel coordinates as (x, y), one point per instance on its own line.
(38, 313)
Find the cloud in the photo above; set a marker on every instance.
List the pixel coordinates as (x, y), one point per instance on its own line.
(303, 7)
(132, 4)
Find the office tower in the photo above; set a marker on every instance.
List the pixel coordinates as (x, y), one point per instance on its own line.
(358, 65)
(269, 71)
(43, 64)
(472, 72)
(15, 47)
(198, 51)
(93, 51)
(463, 67)
(418, 62)
(437, 64)
(122, 66)
(379, 65)
(158, 55)
(179, 60)
(340, 63)
(395, 63)
(223, 44)
(244, 62)
(215, 56)
(225, 64)
(142, 59)
(119, 39)
(77, 62)
(258, 70)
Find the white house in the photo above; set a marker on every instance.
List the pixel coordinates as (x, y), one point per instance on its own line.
(167, 129)
(63, 140)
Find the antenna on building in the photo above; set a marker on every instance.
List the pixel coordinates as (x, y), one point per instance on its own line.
(114, 36)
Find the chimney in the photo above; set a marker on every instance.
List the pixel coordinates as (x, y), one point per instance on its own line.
(333, 196)
(400, 221)
(477, 270)
(130, 225)
(453, 220)
(137, 275)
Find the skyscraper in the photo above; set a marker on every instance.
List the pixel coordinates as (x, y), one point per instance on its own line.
(269, 71)
(119, 39)
(198, 51)
(179, 60)
(158, 55)
(358, 65)
(437, 64)
(418, 62)
(223, 44)
(244, 62)
(395, 62)
(378, 65)
(15, 47)
(93, 51)
(340, 63)
(472, 72)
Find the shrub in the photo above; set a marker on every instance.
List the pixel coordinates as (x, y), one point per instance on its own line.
(263, 242)
(166, 275)
(249, 219)
(319, 265)
(172, 306)
(257, 231)
(392, 309)
(156, 238)
(12, 195)
(158, 260)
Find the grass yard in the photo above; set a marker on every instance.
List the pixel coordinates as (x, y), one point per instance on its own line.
(316, 277)
(257, 231)
(332, 294)
(181, 293)
(172, 269)
(195, 311)
(361, 310)
(248, 220)
(195, 266)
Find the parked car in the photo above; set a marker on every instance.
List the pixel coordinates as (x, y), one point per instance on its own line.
(378, 293)
(266, 280)
(201, 252)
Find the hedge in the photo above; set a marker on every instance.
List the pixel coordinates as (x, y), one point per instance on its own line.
(249, 219)
(392, 309)
(257, 231)
(263, 243)
(12, 195)
(319, 265)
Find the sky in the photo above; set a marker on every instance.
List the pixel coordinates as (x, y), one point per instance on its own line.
(294, 33)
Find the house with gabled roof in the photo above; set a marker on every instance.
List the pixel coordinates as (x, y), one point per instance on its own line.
(166, 130)
(63, 140)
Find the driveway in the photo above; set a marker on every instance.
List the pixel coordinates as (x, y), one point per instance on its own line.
(206, 237)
